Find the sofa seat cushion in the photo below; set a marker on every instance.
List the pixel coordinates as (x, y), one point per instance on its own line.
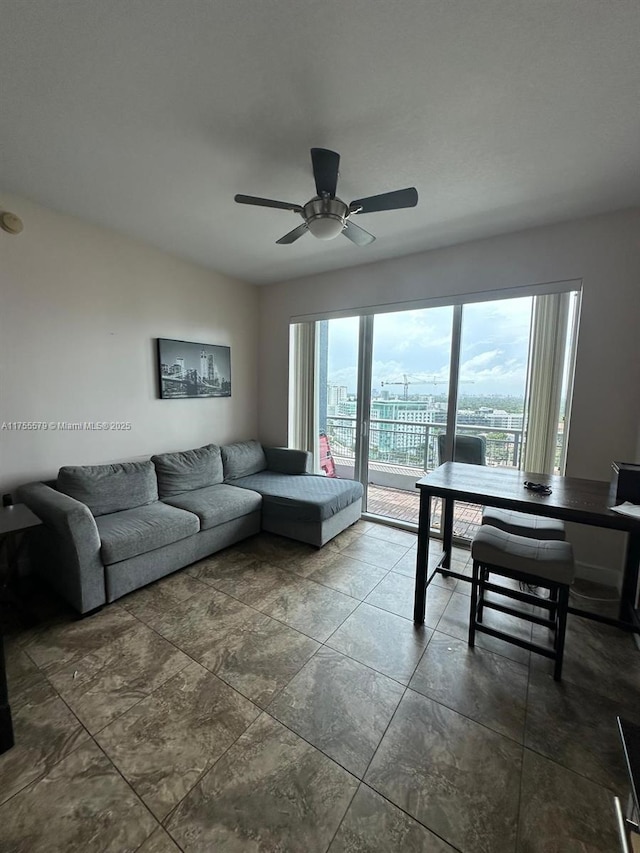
(301, 497)
(217, 504)
(136, 531)
(188, 470)
(110, 488)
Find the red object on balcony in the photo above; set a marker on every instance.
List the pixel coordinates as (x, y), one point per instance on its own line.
(326, 459)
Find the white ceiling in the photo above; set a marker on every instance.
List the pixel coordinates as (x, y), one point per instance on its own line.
(147, 116)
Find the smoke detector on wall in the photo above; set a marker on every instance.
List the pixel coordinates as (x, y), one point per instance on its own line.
(10, 223)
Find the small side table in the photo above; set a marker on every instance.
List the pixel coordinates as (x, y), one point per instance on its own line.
(14, 520)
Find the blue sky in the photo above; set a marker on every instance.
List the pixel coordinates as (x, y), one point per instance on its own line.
(495, 338)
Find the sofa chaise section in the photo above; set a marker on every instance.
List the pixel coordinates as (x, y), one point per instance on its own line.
(308, 507)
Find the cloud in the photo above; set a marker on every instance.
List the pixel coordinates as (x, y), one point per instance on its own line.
(494, 367)
(478, 361)
(417, 343)
(423, 329)
(347, 376)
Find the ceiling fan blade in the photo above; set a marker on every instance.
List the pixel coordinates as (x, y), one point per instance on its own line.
(357, 234)
(325, 170)
(294, 235)
(386, 201)
(267, 202)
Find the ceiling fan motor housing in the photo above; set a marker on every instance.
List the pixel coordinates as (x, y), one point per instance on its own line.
(325, 217)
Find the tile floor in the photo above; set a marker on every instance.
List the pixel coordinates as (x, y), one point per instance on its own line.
(278, 698)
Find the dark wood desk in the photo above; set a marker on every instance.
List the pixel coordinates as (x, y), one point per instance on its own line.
(572, 499)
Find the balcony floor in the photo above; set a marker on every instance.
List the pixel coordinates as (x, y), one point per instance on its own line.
(403, 505)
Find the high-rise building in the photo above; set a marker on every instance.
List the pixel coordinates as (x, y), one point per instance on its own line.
(335, 395)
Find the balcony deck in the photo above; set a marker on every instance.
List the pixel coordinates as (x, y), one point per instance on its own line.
(401, 501)
(403, 505)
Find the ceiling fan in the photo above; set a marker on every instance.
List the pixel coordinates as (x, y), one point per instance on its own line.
(326, 215)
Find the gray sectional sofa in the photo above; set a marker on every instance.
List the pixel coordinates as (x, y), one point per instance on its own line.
(110, 529)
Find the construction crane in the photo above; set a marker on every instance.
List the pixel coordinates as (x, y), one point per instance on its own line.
(406, 381)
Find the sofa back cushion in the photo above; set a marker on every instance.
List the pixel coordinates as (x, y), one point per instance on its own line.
(285, 460)
(191, 469)
(242, 459)
(110, 488)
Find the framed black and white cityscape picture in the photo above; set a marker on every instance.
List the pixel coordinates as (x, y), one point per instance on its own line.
(188, 369)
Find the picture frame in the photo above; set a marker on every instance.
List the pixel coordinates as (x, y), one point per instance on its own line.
(187, 369)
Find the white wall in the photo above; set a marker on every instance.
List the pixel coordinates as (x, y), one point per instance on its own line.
(603, 251)
(80, 309)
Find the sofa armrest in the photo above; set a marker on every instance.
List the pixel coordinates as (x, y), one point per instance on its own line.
(69, 546)
(286, 460)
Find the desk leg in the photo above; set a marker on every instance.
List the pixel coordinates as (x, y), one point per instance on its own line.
(6, 727)
(628, 599)
(447, 532)
(422, 561)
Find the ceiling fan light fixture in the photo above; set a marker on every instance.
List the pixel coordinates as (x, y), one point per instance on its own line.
(325, 217)
(326, 226)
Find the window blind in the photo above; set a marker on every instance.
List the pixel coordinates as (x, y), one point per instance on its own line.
(303, 391)
(546, 364)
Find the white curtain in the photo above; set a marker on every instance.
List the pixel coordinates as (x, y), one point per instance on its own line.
(546, 365)
(303, 391)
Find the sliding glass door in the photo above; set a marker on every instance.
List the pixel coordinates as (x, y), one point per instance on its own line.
(408, 406)
(494, 358)
(385, 395)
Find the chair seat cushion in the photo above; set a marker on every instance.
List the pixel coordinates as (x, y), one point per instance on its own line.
(301, 497)
(523, 524)
(217, 504)
(136, 531)
(548, 559)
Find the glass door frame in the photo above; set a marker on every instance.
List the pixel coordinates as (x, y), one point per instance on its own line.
(363, 408)
(454, 376)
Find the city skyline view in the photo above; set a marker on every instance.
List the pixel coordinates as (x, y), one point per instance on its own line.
(410, 355)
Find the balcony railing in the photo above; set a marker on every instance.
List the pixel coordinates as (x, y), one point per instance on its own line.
(414, 445)
(400, 452)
